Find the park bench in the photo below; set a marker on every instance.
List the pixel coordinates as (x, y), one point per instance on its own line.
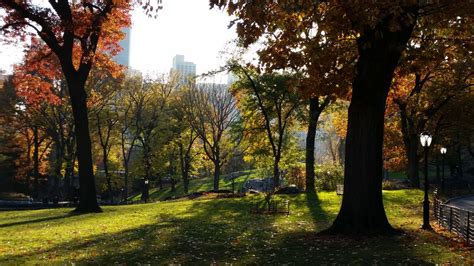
(275, 207)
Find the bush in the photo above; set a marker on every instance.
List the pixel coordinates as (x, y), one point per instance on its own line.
(328, 176)
(394, 184)
(296, 176)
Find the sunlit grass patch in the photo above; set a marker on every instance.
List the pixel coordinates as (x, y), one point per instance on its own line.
(221, 231)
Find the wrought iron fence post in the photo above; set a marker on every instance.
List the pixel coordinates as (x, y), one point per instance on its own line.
(468, 229)
(450, 218)
(440, 218)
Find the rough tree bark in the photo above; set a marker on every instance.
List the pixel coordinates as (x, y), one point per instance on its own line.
(410, 139)
(276, 171)
(362, 210)
(87, 193)
(217, 168)
(36, 144)
(61, 34)
(104, 141)
(126, 152)
(147, 166)
(185, 160)
(59, 157)
(315, 110)
(413, 161)
(310, 141)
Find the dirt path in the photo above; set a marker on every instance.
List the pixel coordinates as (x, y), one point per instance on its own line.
(465, 202)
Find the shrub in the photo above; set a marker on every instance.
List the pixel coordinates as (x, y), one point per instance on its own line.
(328, 176)
(296, 176)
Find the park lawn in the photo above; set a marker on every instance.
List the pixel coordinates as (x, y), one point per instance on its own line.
(205, 231)
(201, 184)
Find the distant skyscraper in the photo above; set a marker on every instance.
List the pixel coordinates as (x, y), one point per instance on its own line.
(186, 70)
(231, 78)
(123, 57)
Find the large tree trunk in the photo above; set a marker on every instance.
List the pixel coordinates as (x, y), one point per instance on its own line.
(125, 192)
(125, 165)
(410, 141)
(67, 180)
(185, 166)
(106, 172)
(362, 210)
(57, 168)
(217, 170)
(68, 173)
(276, 172)
(146, 180)
(186, 183)
(109, 180)
(36, 162)
(314, 113)
(186, 174)
(413, 161)
(172, 171)
(217, 166)
(87, 191)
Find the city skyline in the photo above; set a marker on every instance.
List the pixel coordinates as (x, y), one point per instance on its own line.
(185, 69)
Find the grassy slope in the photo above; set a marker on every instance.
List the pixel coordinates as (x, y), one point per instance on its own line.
(206, 231)
(206, 184)
(202, 184)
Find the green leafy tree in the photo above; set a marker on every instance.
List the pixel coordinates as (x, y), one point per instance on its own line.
(210, 111)
(268, 104)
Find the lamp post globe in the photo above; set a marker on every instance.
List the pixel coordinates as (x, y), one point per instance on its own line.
(425, 140)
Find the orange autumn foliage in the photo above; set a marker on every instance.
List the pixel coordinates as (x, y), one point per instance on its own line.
(41, 70)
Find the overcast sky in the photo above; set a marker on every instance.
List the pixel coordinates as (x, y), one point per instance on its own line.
(184, 27)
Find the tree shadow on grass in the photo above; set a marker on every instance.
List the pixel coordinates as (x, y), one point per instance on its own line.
(310, 248)
(33, 221)
(221, 231)
(55, 216)
(300, 247)
(206, 232)
(316, 211)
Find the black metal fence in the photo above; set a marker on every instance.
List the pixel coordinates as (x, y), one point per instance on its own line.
(455, 220)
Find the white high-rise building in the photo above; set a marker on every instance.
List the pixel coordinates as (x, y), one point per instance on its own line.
(185, 70)
(231, 78)
(123, 58)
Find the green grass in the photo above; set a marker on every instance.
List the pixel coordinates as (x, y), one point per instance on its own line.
(201, 184)
(221, 231)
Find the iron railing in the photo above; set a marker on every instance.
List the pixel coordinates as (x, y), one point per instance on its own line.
(455, 219)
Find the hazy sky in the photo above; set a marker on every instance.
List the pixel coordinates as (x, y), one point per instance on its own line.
(184, 27)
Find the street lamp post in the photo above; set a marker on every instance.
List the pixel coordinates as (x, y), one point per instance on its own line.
(425, 139)
(443, 151)
(145, 190)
